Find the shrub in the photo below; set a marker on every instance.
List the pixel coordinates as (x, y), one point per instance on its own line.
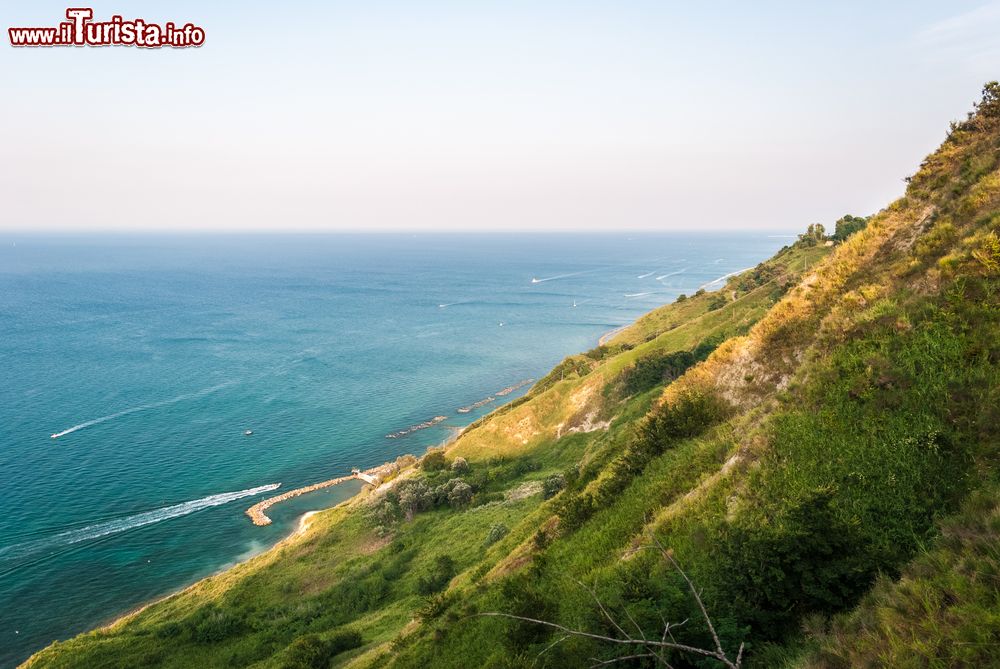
(438, 577)
(414, 496)
(572, 475)
(552, 485)
(460, 494)
(497, 532)
(988, 253)
(434, 606)
(652, 370)
(808, 561)
(937, 240)
(312, 652)
(717, 302)
(356, 594)
(433, 461)
(385, 513)
(575, 510)
(460, 465)
(687, 416)
(212, 624)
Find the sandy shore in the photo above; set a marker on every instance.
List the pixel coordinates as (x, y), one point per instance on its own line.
(608, 336)
(304, 522)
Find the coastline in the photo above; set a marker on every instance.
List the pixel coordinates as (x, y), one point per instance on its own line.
(301, 527)
(608, 336)
(387, 470)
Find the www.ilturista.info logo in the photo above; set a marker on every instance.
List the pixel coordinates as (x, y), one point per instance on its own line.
(81, 30)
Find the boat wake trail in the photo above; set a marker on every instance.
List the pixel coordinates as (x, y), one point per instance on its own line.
(723, 278)
(643, 276)
(144, 407)
(637, 294)
(561, 276)
(118, 525)
(664, 276)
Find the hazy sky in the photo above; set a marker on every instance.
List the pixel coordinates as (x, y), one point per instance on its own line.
(486, 115)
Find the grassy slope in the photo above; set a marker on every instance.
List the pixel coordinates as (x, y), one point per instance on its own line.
(845, 422)
(249, 614)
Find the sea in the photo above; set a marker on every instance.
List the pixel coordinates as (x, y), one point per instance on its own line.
(151, 356)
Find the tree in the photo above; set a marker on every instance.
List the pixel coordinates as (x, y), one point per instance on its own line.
(460, 494)
(813, 235)
(414, 496)
(847, 225)
(460, 465)
(989, 106)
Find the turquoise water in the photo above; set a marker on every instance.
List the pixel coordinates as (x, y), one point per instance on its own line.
(152, 356)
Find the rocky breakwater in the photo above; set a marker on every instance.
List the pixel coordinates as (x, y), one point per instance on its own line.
(257, 511)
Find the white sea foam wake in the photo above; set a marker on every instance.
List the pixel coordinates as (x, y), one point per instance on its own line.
(118, 525)
(643, 276)
(144, 407)
(664, 276)
(723, 278)
(561, 276)
(637, 294)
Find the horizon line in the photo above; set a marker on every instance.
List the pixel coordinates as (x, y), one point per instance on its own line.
(392, 231)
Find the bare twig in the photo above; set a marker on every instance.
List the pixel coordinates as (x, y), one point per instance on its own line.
(600, 605)
(655, 649)
(601, 637)
(634, 623)
(604, 663)
(551, 646)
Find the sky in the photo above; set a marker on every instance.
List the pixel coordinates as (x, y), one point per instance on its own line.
(483, 116)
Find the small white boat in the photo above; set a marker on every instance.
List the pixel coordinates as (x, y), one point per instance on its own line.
(248, 433)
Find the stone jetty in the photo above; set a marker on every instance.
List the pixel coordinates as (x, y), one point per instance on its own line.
(256, 512)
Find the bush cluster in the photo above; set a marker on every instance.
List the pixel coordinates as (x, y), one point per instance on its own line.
(438, 577)
(415, 495)
(314, 652)
(658, 368)
(690, 414)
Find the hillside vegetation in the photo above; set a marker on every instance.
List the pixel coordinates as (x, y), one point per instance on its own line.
(814, 445)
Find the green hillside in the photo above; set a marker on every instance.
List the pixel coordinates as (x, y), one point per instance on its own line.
(814, 445)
